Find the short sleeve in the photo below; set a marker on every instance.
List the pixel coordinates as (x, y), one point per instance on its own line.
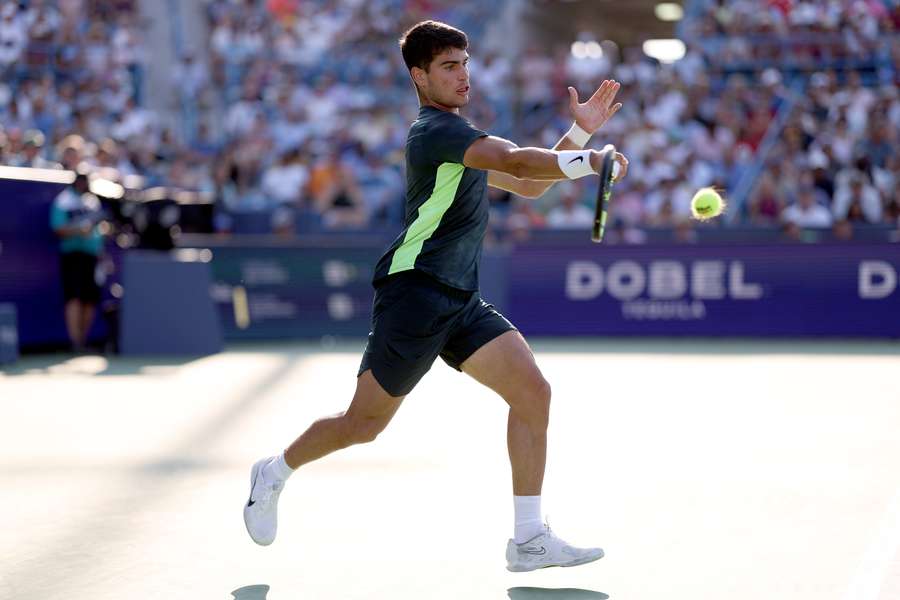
(449, 138)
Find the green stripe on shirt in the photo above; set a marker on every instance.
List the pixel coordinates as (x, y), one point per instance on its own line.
(430, 214)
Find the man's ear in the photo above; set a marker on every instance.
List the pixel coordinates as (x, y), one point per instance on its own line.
(419, 76)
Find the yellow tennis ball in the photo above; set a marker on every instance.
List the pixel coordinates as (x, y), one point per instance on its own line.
(707, 204)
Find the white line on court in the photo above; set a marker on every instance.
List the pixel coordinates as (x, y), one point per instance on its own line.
(872, 569)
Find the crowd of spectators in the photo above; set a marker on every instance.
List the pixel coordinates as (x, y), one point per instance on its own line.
(71, 86)
(679, 129)
(699, 122)
(298, 111)
(837, 159)
(800, 31)
(319, 90)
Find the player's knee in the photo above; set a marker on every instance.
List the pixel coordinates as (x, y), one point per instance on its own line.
(543, 394)
(367, 434)
(533, 403)
(363, 430)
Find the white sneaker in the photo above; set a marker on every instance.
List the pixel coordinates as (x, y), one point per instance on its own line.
(261, 510)
(547, 550)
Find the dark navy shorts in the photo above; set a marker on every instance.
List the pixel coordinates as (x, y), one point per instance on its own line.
(415, 319)
(78, 279)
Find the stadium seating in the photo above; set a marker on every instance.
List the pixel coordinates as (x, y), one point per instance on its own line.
(308, 92)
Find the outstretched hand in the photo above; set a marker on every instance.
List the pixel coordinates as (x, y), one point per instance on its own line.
(592, 114)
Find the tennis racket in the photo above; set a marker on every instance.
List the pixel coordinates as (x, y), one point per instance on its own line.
(604, 191)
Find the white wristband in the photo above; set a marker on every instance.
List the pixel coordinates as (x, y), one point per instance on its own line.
(575, 163)
(578, 136)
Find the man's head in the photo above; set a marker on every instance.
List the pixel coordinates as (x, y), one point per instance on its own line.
(33, 142)
(435, 54)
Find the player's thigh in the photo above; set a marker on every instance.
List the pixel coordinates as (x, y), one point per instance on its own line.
(371, 403)
(506, 364)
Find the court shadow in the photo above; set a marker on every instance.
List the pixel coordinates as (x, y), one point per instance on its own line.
(535, 593)
(251, 592)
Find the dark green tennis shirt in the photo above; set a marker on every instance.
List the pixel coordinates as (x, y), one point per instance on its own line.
(446, 204)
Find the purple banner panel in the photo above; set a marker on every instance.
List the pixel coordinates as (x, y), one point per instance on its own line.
(709, 290)
(29, 259)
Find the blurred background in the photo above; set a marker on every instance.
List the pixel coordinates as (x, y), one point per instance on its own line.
(255, 148)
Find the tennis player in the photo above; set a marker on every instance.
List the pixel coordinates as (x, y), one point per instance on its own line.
(427, 303)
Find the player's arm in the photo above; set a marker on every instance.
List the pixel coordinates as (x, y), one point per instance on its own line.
(73, 231)
(528, 188)
(590, 116)
(492, 153)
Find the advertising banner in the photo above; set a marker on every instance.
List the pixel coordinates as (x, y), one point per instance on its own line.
(708, 290)
(292, 292)
(315, 290)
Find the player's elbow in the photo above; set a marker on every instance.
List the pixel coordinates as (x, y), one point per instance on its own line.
(506, 160)
(514, 163)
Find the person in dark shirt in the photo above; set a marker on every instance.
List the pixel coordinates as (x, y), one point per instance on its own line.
(74, 218)
(427, 302)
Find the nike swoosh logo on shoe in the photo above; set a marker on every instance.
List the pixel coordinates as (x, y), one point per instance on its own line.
(251, 501)
(535, 551)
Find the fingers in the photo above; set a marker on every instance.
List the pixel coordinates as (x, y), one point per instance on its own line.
(606, 92)
(623, 167)
(601, 91)
(612, 91)
(573, 97)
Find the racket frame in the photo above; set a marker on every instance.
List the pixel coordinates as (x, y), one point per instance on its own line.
(604, 191)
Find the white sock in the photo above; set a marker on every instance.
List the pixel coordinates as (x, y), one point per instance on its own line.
(277, 469)
(529, 522)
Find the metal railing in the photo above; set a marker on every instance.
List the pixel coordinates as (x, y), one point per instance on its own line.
(747, 183)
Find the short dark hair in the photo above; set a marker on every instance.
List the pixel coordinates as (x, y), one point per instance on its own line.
(423, 41)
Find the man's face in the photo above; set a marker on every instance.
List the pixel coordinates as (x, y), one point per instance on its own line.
(70, 158)
(446, 82)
